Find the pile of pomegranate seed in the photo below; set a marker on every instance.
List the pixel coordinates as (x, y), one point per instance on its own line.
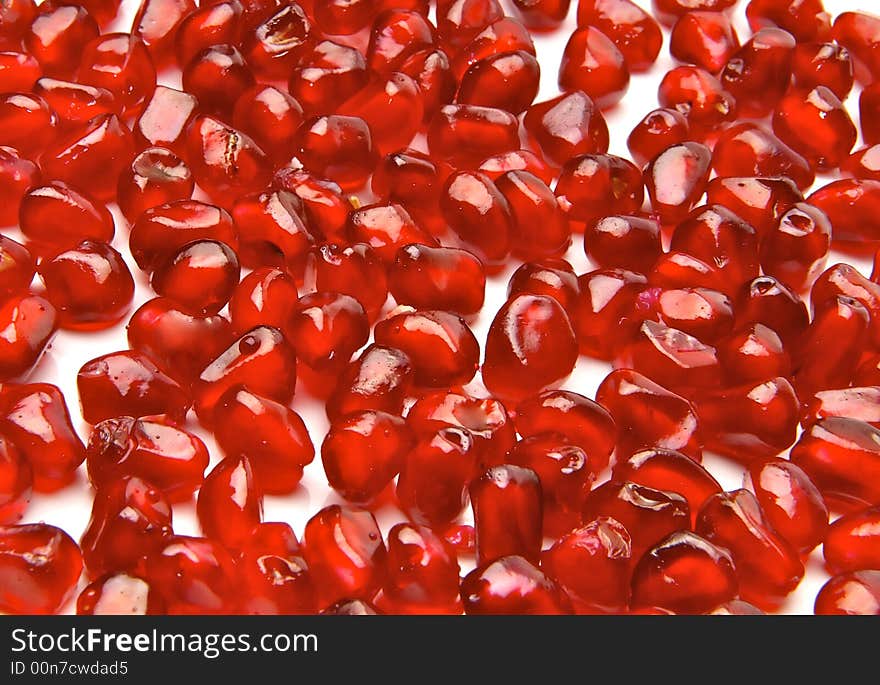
(320, 196)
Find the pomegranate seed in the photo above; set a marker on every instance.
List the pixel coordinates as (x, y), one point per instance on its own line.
(856, 593)
(706, 39)
(18, 175)
(230, 504)
(74, 103)
(761, 202)
(823, 64)
(120, 63)
(700, 96)
(156, 24)
(30, 322)
(478, 213)
(853, 403)
(275, 45)
(200, 277)
(512, 585)
(119, 594)
(758, 74)
(567, 126)
(754, 353)
(445, 278)
(379, 379)
(271, 117)
(658, 130)
(57, 37)
(634, 31)
(832, 133)
(467, 134)
(156, 176)
(339, 148)
(752, 150)
(553, 278)
(852, 542)
(28, 123)
(16, 476)
(806, 20)
(353, 270)
(214, 24)
(592, 186)
(165, 119)
(592, 63)
(676, 179)
(607, 297)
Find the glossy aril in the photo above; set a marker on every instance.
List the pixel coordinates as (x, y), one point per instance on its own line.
(36, 421)
(432, 72)
(57, 36)
(566, 126)
(343, 17)
(118, 594)
(16, 483)
(179, 343)
(17, 16)
(533, 204)
(271, 117)
(39, 567)
(553, 278)
(353, 270)
(806, 20)
(623, 241)
(815, 124)
(591, 186)
(18, 175)
(478, 213)
(150, 448)
(200, 277)
(700, 96)
(504, 35)
(796, 250)
(90, 285)
(193, 576)
(854, 402)
(379, 379)
(768, 567)
(592, 564)
(276, 577)
(325, 208)
(764, 300)
(165, 119)
(385, 228)
(127, 383)
(523, 330)
(706, 39)
(441, 277)
(337, 147)
(468, 134)
(512, 585)
(121, 63)
(823, 64)
(508, 81)
(345, 553)
(392, 109)
(363, 452)
(328, 329)
(156, 25)
(869, 106)
(676, 179)
(214, 24)
(395, 35)
(413, 180)
(58, 216)
(676, 269)
(751, 150)
(75, 103)
(850, 594)
(508, 513)
(634, 31)
(592, 63)
(852, 542)
(658, 130)
(156, 176)
(791, 503)
(849, 203)
(130, 519)
(862, 163)
(859, 32)
(459, 21)
(759, 201)
(754, 353)
(686, 574)
(649, 415)
(28, 123)
(327, 73)
(276, 45)
(30, 321)
(272, 230)
(758, 74)
(230, 503)
(91, 156)
(607, 297)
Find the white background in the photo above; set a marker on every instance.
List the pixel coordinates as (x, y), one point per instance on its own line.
(70, 507)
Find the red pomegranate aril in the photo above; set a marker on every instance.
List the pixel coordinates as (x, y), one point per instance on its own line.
(700, 96)
(815, 124)
(524, 329)
(271, 117)
(165, 119)
(27, 123)
(432, 72)
(156, 24)
(40, 566)
(676, 179)
(467, 134)
(566, 126)
(749, 149)
(17, 176)
(75, 103)
(596, 185)
(532, 205)
(700, 312)
(766, 419)
(262, 359)
(842, 458)
(761, 202)
(849, 204)
(104, 11)
(602, 319)
(822, 367)
(363, 452)
(441, 277)
(119, 594)
(90, 286)
(217, 77)
(156, 176)
(504, 35)
(150, 448)
(17, 16)
(859, 32)
(230, 503)
(551, 278)
(413, 180)
(327, 74)
(754, 353)
(386, 228)
(869, 107)
(57, 216)
(35, 419)
(121, 63)
(324, 207)
(277, 44)
(380, 379)
(512, 585)
(508, 513)
(649, 515)
(130, 519)
(634, 31)
(508, 81)
(564, 470)
(214, 24)
(759, 73)
(796, 250)
(345, 553)
(649, 415)
(852, 542)
(328, 329)
(592, 63)
(343, 17)
(57, 37)
(200, 277)
(461, 537)
(478, 213)
(423, 572)
(857, 402)
(807, 20)
(862, 163)
(592, 564)
(353, 270)
(179, 343)
(459, 21)
(29, 321)
(685, 574)
(609, 238)
(765, 300)
(850, 594)
(434, 475)
(265, 297)
(681, 270)
(845, 280)
(272, 230)
(193, 576)
(337, 147)
(791, 503)
(128, 383)
(16, 483)
(486, 421)
(225, 162)
(767, 567)
(823, 64)
(658, 130)
(717, 236)
(706, 39)
(91, 156)
(395, 35)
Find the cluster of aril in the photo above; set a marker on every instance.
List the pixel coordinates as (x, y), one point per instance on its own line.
(288, 108)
